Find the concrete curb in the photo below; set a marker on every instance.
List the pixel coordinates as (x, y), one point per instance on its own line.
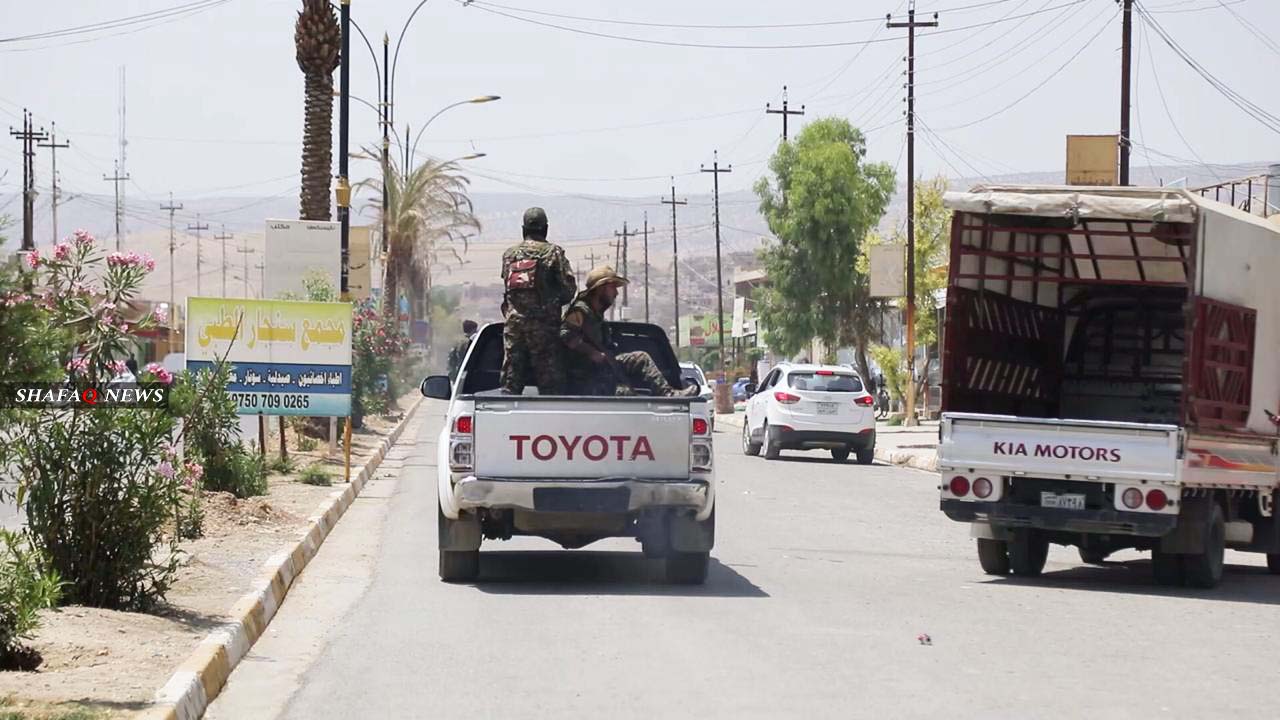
(884, 455)
(199, 679)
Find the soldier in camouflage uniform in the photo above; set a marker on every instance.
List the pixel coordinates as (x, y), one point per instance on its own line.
(539, 282)
(594, 367)
(459, 351)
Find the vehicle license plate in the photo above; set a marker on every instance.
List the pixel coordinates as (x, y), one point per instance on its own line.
(1063, 502)
(828, 408)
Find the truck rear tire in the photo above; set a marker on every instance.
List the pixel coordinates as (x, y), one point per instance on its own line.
(1167, 568)
(866, 457)
(1027, 553)
(687, 568)
(1204, 569)
(840, 454)
(1093, 556)
(459, 565)
(771, 449)
(993, 555)
(1273, 563)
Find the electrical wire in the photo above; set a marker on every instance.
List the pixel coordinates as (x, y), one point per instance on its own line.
(1253, 30)
(118, 22)
(152, 23)
(1155, 75)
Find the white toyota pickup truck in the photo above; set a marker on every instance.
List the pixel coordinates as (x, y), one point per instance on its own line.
(573, 469)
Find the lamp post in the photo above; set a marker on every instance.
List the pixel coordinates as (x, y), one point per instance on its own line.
(413, 150)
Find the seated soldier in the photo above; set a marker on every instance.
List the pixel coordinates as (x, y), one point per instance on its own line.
(593, 367)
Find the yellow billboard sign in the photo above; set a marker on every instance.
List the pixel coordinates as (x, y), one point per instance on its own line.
(1093, 159)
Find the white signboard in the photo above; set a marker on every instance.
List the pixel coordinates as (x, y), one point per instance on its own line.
(297, 247)
(739, 316)
(888, 270)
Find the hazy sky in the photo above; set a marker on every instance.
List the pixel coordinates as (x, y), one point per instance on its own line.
(215, 98)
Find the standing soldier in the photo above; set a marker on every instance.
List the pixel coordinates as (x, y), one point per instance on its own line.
(594, 368)
(538, 282)
(459, 351)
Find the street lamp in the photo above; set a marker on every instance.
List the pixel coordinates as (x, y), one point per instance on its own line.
(413, 150)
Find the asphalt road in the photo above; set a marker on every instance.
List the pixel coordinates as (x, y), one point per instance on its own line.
(824, 576)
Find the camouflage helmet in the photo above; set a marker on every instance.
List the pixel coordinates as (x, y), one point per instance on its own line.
(535, 218)
(602, 276)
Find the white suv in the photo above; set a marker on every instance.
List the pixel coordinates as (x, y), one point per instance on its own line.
(803, 407)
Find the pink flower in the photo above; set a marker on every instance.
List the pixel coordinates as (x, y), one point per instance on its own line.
(61, 251)
(165, 469)
(162, 375)
(33, 259)
(79, 366)
(149, 262)
(161, 314)
(83, 238)
(194, 470)
(117, 367)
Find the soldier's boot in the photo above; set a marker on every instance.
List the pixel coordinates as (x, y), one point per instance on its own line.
(691, 391)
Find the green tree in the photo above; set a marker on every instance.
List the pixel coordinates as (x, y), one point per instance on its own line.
(932, 257)
(317, 41)
(820, 204)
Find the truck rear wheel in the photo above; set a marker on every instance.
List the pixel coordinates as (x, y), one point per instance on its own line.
(1093, 556)
(687, 568)
(1027, 553)
(1167, 568)
(459, 565)
(866, 457)
(840, 454)
(1204, 569)
(993, 555)
(1273, 563)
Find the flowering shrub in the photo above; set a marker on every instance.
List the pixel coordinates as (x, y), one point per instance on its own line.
(376, 342)
(99, 487)
(221, 462)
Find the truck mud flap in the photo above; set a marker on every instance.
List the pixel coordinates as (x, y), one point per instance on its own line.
(689, 535)
(586, 500)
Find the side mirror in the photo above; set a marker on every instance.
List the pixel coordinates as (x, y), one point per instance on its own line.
(437, 387)
(750, 389)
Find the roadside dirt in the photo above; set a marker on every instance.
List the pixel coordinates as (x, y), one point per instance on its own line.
(111, 663)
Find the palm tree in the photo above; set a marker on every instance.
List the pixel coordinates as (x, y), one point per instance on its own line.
(429, 215)
(318, 38)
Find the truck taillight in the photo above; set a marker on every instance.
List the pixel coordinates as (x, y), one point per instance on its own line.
(461, 458)
(700, 426)
(1132, 498)
(786, 398)
(1157, 500)
(700, 457)
(959, 486)
(982, 488)
(865, 401)
(463, 425)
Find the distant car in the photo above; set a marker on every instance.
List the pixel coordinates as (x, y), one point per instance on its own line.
(806, 407)
(691, 373)
(740, 389)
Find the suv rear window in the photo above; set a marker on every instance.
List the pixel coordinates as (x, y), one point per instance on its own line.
(824, 383)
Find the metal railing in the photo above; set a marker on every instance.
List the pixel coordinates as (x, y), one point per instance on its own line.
(1250, 194)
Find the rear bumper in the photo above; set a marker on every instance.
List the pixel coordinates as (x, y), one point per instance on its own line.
(797, 438)
(607, 495)
(1101, 522)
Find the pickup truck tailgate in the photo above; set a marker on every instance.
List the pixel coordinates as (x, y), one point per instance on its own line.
(1058, 448)
(587, 438)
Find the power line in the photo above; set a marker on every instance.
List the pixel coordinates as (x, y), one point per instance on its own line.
(110, 24)
(135, 28)
(1155, 76)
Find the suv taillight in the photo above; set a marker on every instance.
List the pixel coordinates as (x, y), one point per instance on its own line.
(700, 426)
(463, 425)
(786, 398)
(865, 401)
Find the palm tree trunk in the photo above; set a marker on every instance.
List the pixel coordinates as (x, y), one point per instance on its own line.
(317, 147)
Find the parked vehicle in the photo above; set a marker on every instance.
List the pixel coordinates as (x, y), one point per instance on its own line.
(691, 373)
(573, 469)
(805, 407)
(740, 389)
(1109, 375)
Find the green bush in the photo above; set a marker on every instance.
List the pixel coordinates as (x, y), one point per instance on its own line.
(26, 587)
(307, 443)
(211, 433)
(376, 343)
(315, 475)
(283, 465)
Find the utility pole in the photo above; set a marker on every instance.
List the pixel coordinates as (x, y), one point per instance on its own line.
(344, 185)
(244, 252)
(224, 236)
(29, 137)
(116, 179)
(198, 227)
(386, 141)
(173, 307)
(624, 236)
(715, 171)
(675, 249)
(617, 263)
(784, 112)
(646, 266)
(1126, 53)
(591, 258)
(911, 26)
(53, 146)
